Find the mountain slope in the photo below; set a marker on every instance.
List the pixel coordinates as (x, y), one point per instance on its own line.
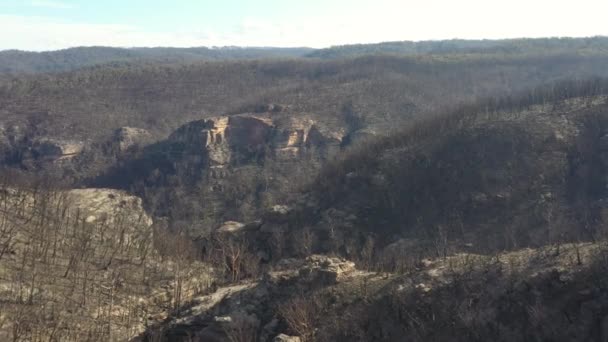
(520, 172)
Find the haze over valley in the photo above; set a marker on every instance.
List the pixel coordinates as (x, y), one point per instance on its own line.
(408, 188)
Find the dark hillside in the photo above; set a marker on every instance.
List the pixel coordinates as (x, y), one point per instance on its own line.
(15, 61)
(524, 171)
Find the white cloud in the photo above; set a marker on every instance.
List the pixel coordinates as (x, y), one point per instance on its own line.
(382, 20)
(51, 4)
(44, 33)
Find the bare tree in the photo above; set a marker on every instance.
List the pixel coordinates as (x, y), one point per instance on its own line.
(242, 329)
(303, 241)
(299, 313)
(367, 253)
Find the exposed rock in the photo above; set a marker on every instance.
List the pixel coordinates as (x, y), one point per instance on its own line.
(276, 214)
(281, 209)
(423, 287)
(255, 152)
(108, 205)
(53, 149)
(205, 136)
(234, 138)
(222, 319)
(103, 220)
(319, 136)
(325, 270)
(129, 137)
(248, 307)
(360, 137)
(249, 132)
(230, 227)
(286, 338)
(219, 137)
(291, 137)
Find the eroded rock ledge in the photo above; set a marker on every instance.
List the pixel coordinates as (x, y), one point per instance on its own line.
(228, 139)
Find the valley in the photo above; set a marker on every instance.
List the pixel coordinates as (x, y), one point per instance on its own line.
(453, 191)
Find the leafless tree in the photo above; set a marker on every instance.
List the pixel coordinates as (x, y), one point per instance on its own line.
(300, 314)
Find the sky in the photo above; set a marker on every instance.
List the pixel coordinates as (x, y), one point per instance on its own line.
(39, 25)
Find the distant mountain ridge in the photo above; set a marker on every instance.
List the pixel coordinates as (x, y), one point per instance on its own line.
(460, 46)
(16, 61)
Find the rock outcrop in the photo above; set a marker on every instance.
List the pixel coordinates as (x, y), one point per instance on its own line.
(241, 164)
(108, 205)
(286, 338)
(321, 270)
(231, 227)
(360, 137)
(238, 138)
(250, 307)
(127, 138)
(55, 150)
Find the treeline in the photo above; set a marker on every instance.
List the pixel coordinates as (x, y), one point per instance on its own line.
(15, 61)
(598, 45)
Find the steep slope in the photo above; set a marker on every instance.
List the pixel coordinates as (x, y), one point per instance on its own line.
(436, 206)
(86, 264)
(226, 168)
(529, 294)
(521, 172)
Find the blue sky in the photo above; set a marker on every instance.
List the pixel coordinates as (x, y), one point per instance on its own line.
(54, 24)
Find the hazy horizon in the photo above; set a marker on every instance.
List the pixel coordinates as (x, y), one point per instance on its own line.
(295, 47)
(43, 25)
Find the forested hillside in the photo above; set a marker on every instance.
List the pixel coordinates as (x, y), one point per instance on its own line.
(383, 90)
(15, 61)
(539, 46)
(501, 201)
(429, 191)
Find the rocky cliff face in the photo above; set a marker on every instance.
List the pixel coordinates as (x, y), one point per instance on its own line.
(126, 138)
(234, 140)
(229, 167)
